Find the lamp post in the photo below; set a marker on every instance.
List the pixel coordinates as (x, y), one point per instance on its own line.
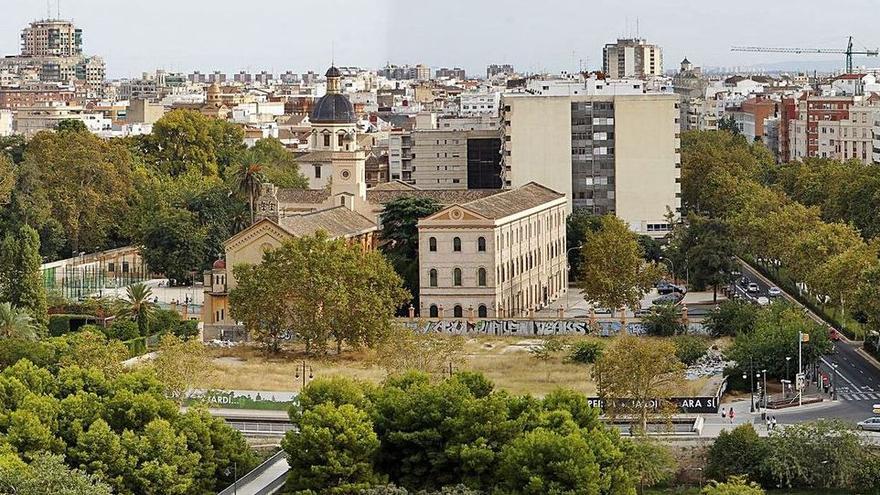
(235, 478)
(671, 267)
(765, 390)
(301, 370)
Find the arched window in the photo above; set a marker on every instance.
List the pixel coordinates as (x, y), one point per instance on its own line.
(482, 312)
(432, 278)
(456, 277)
(456, 244)
(432, 311)
(456, 311)
(481, 277)
(481, 244)
(432, 244)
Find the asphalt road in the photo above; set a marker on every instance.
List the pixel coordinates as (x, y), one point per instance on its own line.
(855, 380)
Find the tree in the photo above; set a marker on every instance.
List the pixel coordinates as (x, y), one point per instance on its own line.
(868, 297)
(247, 178)
(826, 454)
(21, 280)
(652, 462)
(614, 273)
(332, 451)
(93, 350)
(578, 227)
(186, 141)
(633, 372)
(729, 124)
(318, 290)
(16, 323)
(137, 306)
(543, 461)
(704, 246)
(278, 165)
(71, 125)
(840, 277)
(47, 475)
(732, 318)
(735, 485)
(174, 244)
(651, 248)
(664, 320)
(180, 364)
(7, 179)
(739, 452)
(83, 181)
(399, 222)
(690, 348)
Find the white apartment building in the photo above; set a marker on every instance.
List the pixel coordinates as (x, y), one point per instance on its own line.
(632, 57)
(51, 38)
(577, 85)
(499, 256)
(476, 103)
(6, 124)
(609, 154)
(877, 139)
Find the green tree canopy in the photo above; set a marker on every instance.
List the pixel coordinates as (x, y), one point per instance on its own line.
(21, 280)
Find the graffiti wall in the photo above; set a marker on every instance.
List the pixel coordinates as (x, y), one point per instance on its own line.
(525, 328)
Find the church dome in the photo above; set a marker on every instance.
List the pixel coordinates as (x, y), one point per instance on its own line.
(219, 265)
(333, 107)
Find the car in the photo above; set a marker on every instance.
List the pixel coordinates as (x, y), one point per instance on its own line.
(870, 424)
(763, 301)
(774, 292)
(602, 311)
(667, 299)
(834, 335)
(744, 282)
(664, 288)
(753, 287)
(643, 312)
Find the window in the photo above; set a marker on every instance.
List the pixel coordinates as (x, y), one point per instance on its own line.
(317, 171)
(456, 311)
(481, 244)
(432, 311)
(327, 140)
(482, 312)
(111, 267)
(339, 140)
(124, 267)
(432, 278)
(432, 244)
(456, 277)
(456, 244)
(481, 277)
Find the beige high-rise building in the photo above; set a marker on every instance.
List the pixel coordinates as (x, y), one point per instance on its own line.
(51, 38)
(615, 154)
(632, 57)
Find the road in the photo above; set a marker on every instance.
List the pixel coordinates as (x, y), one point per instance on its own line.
(855, 380)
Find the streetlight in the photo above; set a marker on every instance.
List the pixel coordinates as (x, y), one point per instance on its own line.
(235, 482)
(765, 390)
(671, 267)
(751, 376)
(304, 367)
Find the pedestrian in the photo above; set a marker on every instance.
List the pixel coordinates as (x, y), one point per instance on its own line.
(730, 415)
(769, 424)
(773, 423)
(723, 413)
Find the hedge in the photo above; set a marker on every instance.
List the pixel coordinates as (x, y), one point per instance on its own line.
(65, 323)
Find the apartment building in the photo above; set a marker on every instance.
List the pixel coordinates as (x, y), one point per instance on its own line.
(453, 73)
(616, 154)
(499, 69)
(877, 139)
(499, 256)
(51, 38)
(632, 57)
(34, 94)
(6, 122)
(751, 114)
(841, 128)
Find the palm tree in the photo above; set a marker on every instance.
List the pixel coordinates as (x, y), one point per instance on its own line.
(247, 180)
(15, 323)
(137, 306)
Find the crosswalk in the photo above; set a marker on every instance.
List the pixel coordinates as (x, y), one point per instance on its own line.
(851, 396)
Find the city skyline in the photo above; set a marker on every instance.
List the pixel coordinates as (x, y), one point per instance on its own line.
(369, 35)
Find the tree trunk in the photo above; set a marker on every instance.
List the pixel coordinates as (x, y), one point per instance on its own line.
(715, 293)
(251, 203)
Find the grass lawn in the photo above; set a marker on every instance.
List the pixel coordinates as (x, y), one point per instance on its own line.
(504, 360)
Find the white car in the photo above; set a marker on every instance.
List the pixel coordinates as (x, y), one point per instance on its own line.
(774, 292)
(753, 287)
(870, 424)
(763, 301)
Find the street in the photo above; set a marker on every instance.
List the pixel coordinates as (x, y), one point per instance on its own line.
(855, 380)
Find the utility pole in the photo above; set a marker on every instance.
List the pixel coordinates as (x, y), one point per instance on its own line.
(800, 368)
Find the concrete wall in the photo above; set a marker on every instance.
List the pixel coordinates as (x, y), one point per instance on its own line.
(540, 142)
(645, 144)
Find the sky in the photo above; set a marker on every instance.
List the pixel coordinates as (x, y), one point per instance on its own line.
(135, 36)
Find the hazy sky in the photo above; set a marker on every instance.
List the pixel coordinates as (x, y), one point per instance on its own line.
(534, 35)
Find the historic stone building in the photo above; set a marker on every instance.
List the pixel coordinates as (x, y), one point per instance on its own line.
(498, 256)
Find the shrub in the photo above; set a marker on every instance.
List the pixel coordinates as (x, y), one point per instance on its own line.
(740, 452)
(585, 351)
(166, 320)
(690, 348)
(63, 324)
(664, 321)
(122, 330)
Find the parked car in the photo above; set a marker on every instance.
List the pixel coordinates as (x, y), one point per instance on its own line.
(744, 282)
(870, 424)
(602, 311)
(774, 292)
(753, 287)
(665, 287)
(672, 298)
(642, 312)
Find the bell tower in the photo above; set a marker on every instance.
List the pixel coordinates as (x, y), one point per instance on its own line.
(349, 185)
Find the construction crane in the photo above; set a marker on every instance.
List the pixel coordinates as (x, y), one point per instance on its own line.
(848, 51)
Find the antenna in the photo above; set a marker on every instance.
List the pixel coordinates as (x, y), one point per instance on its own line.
(638, 33)
(48, 9)
(332, 53)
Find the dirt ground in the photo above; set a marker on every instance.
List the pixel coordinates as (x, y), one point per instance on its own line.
(504, 360)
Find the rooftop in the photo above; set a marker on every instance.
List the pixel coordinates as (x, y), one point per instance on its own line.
(511, 202)
(338, 222)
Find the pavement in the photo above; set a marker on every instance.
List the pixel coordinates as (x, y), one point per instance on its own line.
(575, 306)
